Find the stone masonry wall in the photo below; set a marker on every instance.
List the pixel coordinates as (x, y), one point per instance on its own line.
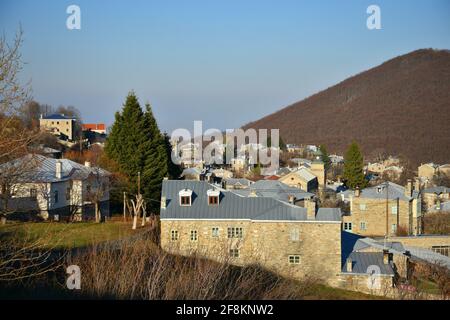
(266, 243)
(374, 216)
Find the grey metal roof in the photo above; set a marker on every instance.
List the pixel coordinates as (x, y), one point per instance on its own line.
(379, 192)
(274, 189)
(305, 174)
(238, 181)
(329, 214)
(282, 171)
(394, 247)
(231, 205)
(57, 116)
(436, 190)
(428, 255)
(361, 261)
(38, 168)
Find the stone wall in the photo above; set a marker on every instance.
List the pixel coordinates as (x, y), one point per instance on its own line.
(374, 216)
(361, 283)
(266, 243)
(423, 241)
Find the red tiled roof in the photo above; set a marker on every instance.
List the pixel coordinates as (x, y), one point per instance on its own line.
(272, 177)
(94, 126)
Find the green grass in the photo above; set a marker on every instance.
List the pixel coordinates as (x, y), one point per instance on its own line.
(427, 286)
(66, 235)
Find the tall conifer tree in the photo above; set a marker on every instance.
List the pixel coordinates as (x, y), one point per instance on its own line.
(354, 167)
(137, 145)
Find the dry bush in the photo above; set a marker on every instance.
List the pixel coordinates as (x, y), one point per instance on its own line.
(437, 223)
(436, 273)
(141, 270)
(25, 256)
(402, 231)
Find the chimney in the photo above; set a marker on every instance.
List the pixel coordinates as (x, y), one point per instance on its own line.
(42, 116)
(349, 265)
(87, 164)
(58, 170)
(163, 202)
(357, 192)
(417, 184)
(291, 198)
(385, 256)
(409, 188)
(310, 206)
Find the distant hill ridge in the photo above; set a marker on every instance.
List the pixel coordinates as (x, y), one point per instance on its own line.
(401, 107)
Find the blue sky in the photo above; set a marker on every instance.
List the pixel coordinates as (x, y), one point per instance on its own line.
(223, 62)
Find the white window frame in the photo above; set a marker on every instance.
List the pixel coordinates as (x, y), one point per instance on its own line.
(234, 253)
(348, 226)
(294, 234)
(362, 207)
(393, 227)
(294, 259)
(185, 193)
(235, 232)
(363, 225)
(395, 212)
(215, 232)
(173, 235)
(194, 235)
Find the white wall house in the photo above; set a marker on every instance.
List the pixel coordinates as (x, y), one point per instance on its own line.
(54, 186)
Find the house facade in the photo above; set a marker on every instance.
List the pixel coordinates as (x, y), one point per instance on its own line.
(301, 178)
(58, 124)
(434, 197)
(199, 218)
(55, 187)
(383, 210)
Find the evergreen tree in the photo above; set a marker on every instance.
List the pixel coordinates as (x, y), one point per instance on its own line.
(282, 144)
(156, 162)
(354, 167)
(174, 169)
(137, 145)
(325, 157)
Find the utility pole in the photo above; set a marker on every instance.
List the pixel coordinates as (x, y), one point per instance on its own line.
(124, 207)
(81, 143)
(139, 182)
(387, 209)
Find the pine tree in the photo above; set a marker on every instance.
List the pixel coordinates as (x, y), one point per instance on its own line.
(126, 138)
(174, 169)
(325, 157)
(156, 161)
(137, 145)
(354, 167)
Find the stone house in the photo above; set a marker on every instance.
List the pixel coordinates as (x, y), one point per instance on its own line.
(35, 183)
(58, 124)
(308, 178)
(202, 219)
(301, 178)
(428, 171)
(381, 210)
(433, 197)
